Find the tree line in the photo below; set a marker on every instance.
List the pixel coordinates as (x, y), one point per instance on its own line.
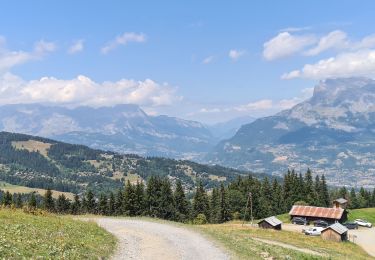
(166, 199)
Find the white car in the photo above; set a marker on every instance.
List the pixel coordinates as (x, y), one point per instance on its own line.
(363, 223)
(314, 231)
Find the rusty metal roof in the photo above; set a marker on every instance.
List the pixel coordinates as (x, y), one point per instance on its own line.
(320, 212)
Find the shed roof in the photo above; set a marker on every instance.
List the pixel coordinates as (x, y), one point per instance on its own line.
(273, 221)
(341, 200)
(338, 228)
(320, 212)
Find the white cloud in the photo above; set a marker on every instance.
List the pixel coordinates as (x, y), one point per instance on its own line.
(286, 44)
(295, 29)
(334, 40)
(208, 60)
(9, 59)
(77, 46)
(263, 104)
(84, 91)
(236, 54)
(123, 40)
(357, 63)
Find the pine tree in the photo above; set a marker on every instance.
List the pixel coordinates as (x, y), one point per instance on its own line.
(32, 201)
(19, 202)
(343, 193)
(324, 197)
(111, 204)
(139, 206)
(277, 200)
(224, 206)
(353, 202)
(153, 196)
(181, 203)
(265, 199)
(215, 207)
(48, 202)
(200, 202)
(373, 198)
(129, 199)
(90, 202)
(102, 204)
(76, 205)
(7, 199)
(167, 208)
(62, 204)
(309, 188)
(119, 205)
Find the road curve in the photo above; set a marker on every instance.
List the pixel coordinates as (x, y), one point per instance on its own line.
(142, 239)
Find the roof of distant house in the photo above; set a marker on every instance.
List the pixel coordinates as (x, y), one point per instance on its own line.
(273, 221)
(320, 212)
(338, 228)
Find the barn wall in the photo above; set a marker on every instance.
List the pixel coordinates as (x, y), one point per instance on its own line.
(329, 234)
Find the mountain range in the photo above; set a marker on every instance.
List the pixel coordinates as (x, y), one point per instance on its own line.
(333, 133)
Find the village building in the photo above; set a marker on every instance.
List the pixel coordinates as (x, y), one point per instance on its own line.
(335, 232)
(270, 223)
(310, 213)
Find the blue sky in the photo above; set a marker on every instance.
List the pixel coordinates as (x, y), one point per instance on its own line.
(203, 60)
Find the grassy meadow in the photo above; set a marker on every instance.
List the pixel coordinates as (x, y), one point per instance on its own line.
(367, 214)
(244, 242)
(27, 236)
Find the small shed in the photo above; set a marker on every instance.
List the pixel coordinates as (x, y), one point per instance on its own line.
(340, 203)
(270, 223)
(335, 232)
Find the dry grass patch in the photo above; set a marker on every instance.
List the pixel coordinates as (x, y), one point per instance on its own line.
(32, 146)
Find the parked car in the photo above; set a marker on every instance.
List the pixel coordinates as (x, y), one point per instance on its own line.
(321, 223)
(351, 225)
(299, 221)
(363, 223)
(314, 231)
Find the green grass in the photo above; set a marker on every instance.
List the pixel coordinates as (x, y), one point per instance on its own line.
(367, 214)
(26, 236)
(239, 240)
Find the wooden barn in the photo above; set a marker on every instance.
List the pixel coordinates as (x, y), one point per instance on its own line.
(270, 223)
(310, 213)
(335, 232)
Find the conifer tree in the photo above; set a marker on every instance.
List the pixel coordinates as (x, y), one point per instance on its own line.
(373, 198)
(62, 204)
(48, 202)
(90, 202)
(309, 188)
(277, 199)
(7, 199)
(19, 202)
(111, 204)
(181, 203)
(32, 201)
(129, 199)
(200, 202)
(153, 196)
(102, 204)
(119, 205)
(215, 207)
(139, 206)
(353, 202)
(325, 199)
(167, 208)
(76, 205)
(224, 206)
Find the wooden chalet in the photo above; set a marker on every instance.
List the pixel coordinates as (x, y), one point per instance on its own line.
(270, 223)
(335, 232)
(310, 213)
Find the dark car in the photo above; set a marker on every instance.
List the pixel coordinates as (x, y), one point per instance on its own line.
(321, 223)
(351, 225)
(299, 221)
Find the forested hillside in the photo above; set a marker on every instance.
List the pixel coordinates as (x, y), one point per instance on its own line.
(43, 163)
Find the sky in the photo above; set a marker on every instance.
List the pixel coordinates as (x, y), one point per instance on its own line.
(208, 61)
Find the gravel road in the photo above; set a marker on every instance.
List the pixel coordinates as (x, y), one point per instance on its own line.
(141, 239)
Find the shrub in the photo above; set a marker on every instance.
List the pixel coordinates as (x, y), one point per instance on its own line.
(200, 219)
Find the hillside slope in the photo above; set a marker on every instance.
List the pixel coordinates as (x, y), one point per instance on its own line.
(332, 133)
(43, 163)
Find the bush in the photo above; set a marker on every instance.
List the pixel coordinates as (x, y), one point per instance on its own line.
(301, 203)
(236, 215)
(200, 220)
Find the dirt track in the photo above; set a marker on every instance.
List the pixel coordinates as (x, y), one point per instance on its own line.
(141, 239)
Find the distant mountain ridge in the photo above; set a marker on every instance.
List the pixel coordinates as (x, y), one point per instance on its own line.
(333, 132)
(122, 128)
